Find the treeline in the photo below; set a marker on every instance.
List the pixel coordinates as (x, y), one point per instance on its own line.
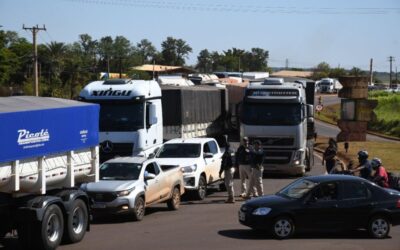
(65, 67)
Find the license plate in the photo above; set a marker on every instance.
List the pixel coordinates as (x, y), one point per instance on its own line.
(242, 216)
(99, 205)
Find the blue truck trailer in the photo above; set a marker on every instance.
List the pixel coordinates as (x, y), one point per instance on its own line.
(49, 146)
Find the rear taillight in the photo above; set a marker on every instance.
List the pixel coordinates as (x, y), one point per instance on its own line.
(398, 204)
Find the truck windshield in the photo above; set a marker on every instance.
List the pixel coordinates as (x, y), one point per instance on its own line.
(325, 83)
(271, 114)
(121, 116)
(179, 150)
(120, 171)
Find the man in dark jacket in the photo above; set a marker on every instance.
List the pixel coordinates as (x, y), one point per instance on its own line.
(228, 170)
(364, 166)
(257, 156)
(242, 163)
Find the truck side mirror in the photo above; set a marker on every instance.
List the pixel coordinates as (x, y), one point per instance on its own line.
(310, 111)
(152, 114)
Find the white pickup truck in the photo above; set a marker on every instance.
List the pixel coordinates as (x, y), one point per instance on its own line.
(200, 159)
(130, 184)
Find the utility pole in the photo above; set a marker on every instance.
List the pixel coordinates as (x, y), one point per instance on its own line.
(287, 63)
(35, 30)
(370, 71)
(391, 59)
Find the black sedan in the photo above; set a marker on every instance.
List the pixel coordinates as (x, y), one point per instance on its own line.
(324, 202)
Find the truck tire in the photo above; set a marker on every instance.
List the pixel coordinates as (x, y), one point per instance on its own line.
(46, 234)
(201, 192)
(139, 209)
(77, 221)
(175, 201)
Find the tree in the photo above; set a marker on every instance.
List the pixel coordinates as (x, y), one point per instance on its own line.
(174, 51)
(55, 52)
(337, 72)
(146, 50)
(356, 72)
(322, 70)
(105, 50)
(121, 49)
(204, 61)
(182, 51)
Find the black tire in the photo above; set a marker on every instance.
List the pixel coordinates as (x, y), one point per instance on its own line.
(283, 227)
(44, 235)
(379, 227)
(77, 221)
(201, 192)
(139, 209)
(175, 201)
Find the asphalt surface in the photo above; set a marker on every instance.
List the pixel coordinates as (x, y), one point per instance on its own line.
(212, 224)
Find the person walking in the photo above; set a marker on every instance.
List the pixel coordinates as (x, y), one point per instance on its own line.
(329, 156)
(242, 163)
(364, 166)
(257, 156)
(228, 170)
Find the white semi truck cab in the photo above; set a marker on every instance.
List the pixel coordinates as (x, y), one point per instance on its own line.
(277, 113)
(130, 116)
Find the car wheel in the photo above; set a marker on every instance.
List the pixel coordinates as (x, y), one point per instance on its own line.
(139, 209)
(379, 227)
(202, 189)
(77, 222)
(283, 227)
(175, 201)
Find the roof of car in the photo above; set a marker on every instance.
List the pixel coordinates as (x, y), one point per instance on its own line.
(191, 140)
(332, 177)
(138, 160)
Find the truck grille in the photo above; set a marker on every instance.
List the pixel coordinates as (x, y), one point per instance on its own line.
(277, 157)
(102, 197)
(274, 141)
(116, 149)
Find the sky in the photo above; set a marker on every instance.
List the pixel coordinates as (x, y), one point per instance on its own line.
(345, 33)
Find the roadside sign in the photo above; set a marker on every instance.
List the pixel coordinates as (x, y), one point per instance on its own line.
(319, 107)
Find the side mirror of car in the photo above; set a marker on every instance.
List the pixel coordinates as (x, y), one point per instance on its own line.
(149, 176)
(208, 155)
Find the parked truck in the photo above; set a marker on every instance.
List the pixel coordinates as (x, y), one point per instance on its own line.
(137, 116)
(329, 85)
(49, 146)
(280, 115)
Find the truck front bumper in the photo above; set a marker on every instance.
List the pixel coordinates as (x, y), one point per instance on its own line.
(285, 169)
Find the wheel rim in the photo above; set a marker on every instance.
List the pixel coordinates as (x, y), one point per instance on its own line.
(78, 219)
(176, 199)
(53, 228)
(140, 209)
(379, 227)
(202, 188)
(283, 228)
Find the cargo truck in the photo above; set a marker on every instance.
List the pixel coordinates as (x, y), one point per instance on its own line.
(280, 115)
(137, 116)
(49, 147)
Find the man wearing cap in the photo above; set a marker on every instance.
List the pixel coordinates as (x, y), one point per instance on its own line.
(257, 156)
(242, 162)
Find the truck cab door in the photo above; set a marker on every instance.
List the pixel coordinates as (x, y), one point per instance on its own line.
(153, 121)
(152, 186)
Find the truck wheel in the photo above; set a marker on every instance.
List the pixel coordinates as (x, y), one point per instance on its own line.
(46, 234)
(139, 209)
(175, 201)
(201, 192)
(77, 222)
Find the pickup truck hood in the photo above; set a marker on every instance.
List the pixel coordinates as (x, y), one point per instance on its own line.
(109, 186)
(181, 162)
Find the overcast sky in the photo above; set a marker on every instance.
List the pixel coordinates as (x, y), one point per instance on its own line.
(341, 32)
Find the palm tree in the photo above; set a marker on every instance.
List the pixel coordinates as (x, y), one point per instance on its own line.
(55, 53)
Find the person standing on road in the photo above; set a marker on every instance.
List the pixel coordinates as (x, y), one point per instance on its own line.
(364, 166)
(242, 162)
(329, 156)
(227, 168)
(257, 156)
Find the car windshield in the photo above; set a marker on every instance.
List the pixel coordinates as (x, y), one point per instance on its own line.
(179, 150)
(121, 116)
(271, 114)
(297, 189)
(120, 171)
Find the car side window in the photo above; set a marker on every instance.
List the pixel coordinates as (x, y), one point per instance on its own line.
(206, 148)
(213, 147)
(326, 192)
(355, 190)
(152, 169)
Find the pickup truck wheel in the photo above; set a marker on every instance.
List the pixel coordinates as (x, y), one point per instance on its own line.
(201, 192)
(77, 222)
(139, 209)
(175, 201)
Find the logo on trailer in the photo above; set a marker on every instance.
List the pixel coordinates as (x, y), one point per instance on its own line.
(111, 92)
(26, 137)
(107, 146)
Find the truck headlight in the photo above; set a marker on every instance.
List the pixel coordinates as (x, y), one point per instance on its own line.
(297, 157)
(262, 211)
(124, 192)
(189, 169)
